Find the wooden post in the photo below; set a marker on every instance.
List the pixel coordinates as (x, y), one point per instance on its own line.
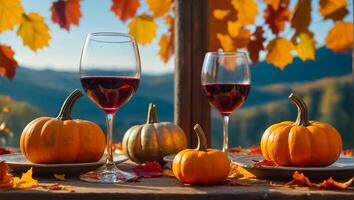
(191, 41)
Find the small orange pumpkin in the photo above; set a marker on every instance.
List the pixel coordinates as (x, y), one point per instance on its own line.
(302, 143)
(201, 166)
(61, 139)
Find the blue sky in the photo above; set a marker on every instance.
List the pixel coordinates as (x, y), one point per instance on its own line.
(65, 47)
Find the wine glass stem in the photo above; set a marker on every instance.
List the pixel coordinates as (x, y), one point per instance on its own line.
(109, 123)
(225, 125)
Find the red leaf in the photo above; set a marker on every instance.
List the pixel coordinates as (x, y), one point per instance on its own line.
(300, 179)
(276, 18)
(66, 13)
(7, 62)
(5, 177)
(125, 9)
(238, 149)
(5, 151)
(264, 163)
(255, 150)
(148, 170)
(256, 45)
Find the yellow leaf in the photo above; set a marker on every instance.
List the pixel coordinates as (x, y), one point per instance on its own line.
(220, 14)
(340, 37)
(166, 47)
(143, 28)
(33, 31)
(306, 47)
(247, 10)
(59, 177)
(26, 181)
(233, 27)
(328, 8)
(160, 7)
(279, 52)
(226, 42)
(274, 3)
(11, 14)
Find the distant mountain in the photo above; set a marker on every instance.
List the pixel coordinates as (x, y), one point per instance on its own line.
(47, 89)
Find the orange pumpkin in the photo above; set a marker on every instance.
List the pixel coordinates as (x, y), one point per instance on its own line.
(61, 139)
(201, 166)
(302, 143)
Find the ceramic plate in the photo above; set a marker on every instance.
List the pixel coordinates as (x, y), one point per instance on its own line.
(18, 163)
(343, 168)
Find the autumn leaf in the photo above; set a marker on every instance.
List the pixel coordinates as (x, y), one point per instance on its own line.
(8, 64)
(255, 150)
(237, 149)
(220, 14)
(59, 177)
(300, 179)
(276, 18)
(226, 42)
(333, 9)
(306, 47)
(11, 14)
(247, 10)
(159, 8)
(276, 3)
(279, 52)
(26, 181)
(125, 9)
(301, 17)
(233, 27)
(66, 13)
(263, 163)
(33, 31)
(5, 177)
(148, 170)
(242, 38)
(330, 183)
(166, 42)
(256, 44)
(340, 37)
(348, 152)
(5, 150)
(143, 28)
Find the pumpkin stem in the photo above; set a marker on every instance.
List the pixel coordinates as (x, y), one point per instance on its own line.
(302, 111)
(202, 142)
(152, 115)
(66, 108)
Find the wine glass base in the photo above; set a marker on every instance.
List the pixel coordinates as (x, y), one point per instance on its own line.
(109, 174)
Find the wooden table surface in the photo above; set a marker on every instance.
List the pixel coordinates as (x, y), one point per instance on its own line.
(170, 189)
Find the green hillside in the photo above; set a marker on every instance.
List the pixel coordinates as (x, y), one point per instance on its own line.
(329, 100)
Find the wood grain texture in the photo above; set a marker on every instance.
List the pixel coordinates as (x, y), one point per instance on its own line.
(191, 105)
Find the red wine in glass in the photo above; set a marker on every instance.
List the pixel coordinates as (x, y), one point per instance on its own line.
(109, 92)
(226, 97)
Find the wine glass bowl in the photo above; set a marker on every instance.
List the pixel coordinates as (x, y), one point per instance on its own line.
(226, 82)
(110, 71)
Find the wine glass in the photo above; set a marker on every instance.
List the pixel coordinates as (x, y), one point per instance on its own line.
(225, 79)
(110, 75)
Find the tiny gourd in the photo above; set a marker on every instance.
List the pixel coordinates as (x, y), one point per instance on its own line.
(48, 140)
(153, 140)
(302, 143)
(201, 166)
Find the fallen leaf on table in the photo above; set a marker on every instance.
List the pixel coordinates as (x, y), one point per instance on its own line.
(57, 186)
(300, 179)
(348, 152)
(330, 183)
(238, 172)
(263, 163)
(59, 177)
(148, 170)
(5, 177)
(26, 181)
(238, 149)
(255, 150)
(5, 151)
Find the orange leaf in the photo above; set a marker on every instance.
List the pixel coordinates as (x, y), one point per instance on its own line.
(333, 9)
(26, 181)
(279, 52)
(247, 10)
(238, 149)
(255, 150)
(226, 42)
(340, 37)
(348, 152)
(8, 64)
(276, 3)
(276, 18)
(256, 44)
(66, 13)
(159, 8)
(5, 177)
(242, 38)
(300, 179)
(330, 183)
(233, 28)
(220, 14)
(125, 9)
(166, 42)
(301, 17)
(59, 177)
